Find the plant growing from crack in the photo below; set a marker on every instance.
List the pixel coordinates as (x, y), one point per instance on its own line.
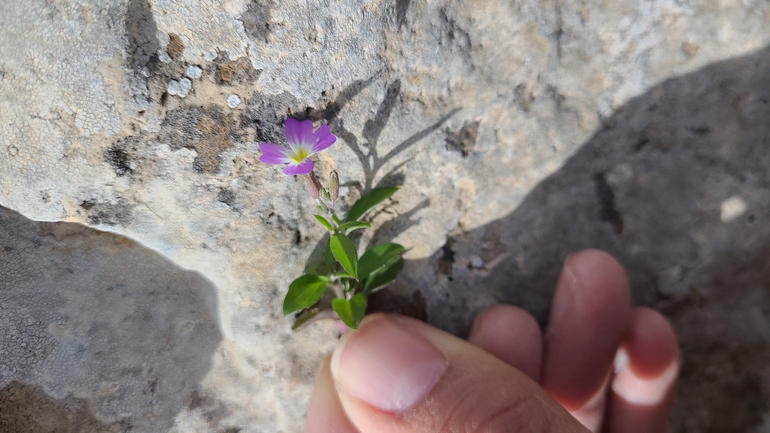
(347, 277)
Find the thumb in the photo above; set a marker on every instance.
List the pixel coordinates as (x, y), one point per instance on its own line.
(396, 374)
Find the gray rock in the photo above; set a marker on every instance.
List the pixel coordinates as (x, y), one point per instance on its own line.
(95, 320)
(520, 131)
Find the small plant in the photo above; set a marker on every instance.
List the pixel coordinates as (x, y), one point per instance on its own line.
(346, 276)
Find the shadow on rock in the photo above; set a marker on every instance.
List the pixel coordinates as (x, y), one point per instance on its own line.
(676, 186)
(98, 327)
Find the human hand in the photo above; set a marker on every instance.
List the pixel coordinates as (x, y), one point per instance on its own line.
(600, 363)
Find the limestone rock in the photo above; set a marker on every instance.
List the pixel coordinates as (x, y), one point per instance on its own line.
(519, 130)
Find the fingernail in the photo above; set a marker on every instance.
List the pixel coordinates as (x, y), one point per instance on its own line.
(385, 366)
(638, 390)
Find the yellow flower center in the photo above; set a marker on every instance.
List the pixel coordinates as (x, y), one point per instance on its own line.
(299, 155)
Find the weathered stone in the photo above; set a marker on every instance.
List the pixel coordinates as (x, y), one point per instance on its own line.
(520, 132)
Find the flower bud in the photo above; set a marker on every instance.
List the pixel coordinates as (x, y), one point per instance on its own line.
(334, 185)
(325, 197)
(313, 184)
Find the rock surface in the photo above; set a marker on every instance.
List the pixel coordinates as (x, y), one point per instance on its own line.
(521, 131)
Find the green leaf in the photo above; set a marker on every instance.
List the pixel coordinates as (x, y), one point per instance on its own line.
(324, 222)
(342, 275)
(384, 275)
(304, 292)
(350, 312)
(376, 257)
(352, 225)
(367, 202)
(329, 257)
(336, 220)
(345, 252)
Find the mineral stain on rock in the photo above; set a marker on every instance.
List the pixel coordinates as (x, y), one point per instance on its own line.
(175, 46)
(206, 129)
(256, 19)
(227, 196)
(26, 408)
(106, 213)
(141, 30)
(118, 156)
(234, 72)
(402, 7)
(464, 139)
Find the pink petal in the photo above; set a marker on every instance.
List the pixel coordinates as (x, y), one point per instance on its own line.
(322, 138)
(303, 167)
(298, 132)
(274, 154)
(324, 143)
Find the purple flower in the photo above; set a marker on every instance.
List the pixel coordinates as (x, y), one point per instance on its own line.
(303, 143)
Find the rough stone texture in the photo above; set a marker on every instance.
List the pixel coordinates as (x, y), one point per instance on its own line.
(93, 323)
(520, 130)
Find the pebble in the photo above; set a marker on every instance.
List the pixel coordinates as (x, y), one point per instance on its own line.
(185, 85)
(233, 101)
(194, 72)
(173, 87)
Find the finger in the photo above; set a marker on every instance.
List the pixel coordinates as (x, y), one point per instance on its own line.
(646, 366)
(325, 414)
(396, 374)
(511, 334)
(590, 313)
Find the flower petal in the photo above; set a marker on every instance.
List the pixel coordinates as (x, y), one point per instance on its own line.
(303, 167)
(320, 133)
(322, 138)
(298, 132)
(324, 143)
(274, 154)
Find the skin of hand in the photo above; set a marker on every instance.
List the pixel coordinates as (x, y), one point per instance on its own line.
(601, 365)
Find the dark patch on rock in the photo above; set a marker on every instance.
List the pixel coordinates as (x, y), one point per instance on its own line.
(233, 72)
(464, 139)
(390, 300)
(227, 196)
(297, 239)
(175, 46)
(256, 19)
(446, 258)
(524, 97)
(143, 42)
(402, 6)
(119, 155)
(453, 34)
(206, 129)
(606, 198)
(26, 408)
(106, 213)
(266, 113)
(213, 410)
